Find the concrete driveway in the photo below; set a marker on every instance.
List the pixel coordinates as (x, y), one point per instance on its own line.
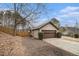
(65, 47)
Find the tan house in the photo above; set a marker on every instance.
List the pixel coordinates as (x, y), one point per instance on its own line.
(49, 30)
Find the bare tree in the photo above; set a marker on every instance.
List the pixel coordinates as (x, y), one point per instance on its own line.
(29, 13)
(24, 14)
(1, 17)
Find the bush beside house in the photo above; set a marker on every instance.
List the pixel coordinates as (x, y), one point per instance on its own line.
(40, 35)
(76, 36)
(58, 35)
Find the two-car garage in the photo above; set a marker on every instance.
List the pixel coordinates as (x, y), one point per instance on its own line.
(49, 31)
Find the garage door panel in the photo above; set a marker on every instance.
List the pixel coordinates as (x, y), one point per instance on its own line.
(48, 36)
(49, 33)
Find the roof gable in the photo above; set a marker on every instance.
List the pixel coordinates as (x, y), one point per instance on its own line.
(47, 24)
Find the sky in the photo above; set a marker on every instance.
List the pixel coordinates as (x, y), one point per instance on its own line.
(66, 13)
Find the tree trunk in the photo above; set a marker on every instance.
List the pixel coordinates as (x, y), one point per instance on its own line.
(15, 19)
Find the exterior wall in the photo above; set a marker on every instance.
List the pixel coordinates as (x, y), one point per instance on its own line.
(48, 27)
(35, 33)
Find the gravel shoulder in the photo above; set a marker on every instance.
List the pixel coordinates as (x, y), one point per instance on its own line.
(36, 47)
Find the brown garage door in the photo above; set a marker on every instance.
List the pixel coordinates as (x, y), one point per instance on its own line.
(49, 33)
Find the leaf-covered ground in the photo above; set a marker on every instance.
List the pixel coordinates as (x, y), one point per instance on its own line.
(23, 46)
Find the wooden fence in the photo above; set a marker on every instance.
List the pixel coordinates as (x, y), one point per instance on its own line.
(11, 31)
